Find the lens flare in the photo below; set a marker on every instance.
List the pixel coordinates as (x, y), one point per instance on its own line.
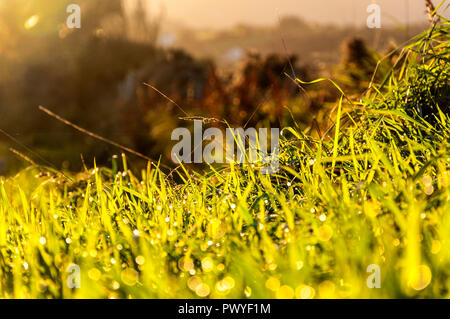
(31, 22)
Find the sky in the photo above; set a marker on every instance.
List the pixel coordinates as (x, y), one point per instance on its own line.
(226, 13)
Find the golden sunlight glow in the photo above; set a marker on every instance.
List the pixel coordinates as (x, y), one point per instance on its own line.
(31, 22)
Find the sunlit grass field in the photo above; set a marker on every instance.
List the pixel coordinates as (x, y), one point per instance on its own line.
(376, 191)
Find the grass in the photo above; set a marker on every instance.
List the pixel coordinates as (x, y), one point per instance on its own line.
(377, 191)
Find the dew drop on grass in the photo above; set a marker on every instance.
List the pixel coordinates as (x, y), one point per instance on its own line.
(129, 276)
(429, 190)
(304, 292)
(207, 264)
(325, 233)
(248, 291)
(427, 181)
(420, 277)
(115, 285)
(202, 290)
(140, 260)
(94, 274)
(273, 284)
(435, 247)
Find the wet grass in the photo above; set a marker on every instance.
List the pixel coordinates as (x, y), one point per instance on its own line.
(376, 191)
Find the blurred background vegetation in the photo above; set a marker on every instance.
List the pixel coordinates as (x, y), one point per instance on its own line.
(94, 76)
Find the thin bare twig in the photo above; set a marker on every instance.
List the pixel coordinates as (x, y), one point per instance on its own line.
(101, 138)
(166, 97)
